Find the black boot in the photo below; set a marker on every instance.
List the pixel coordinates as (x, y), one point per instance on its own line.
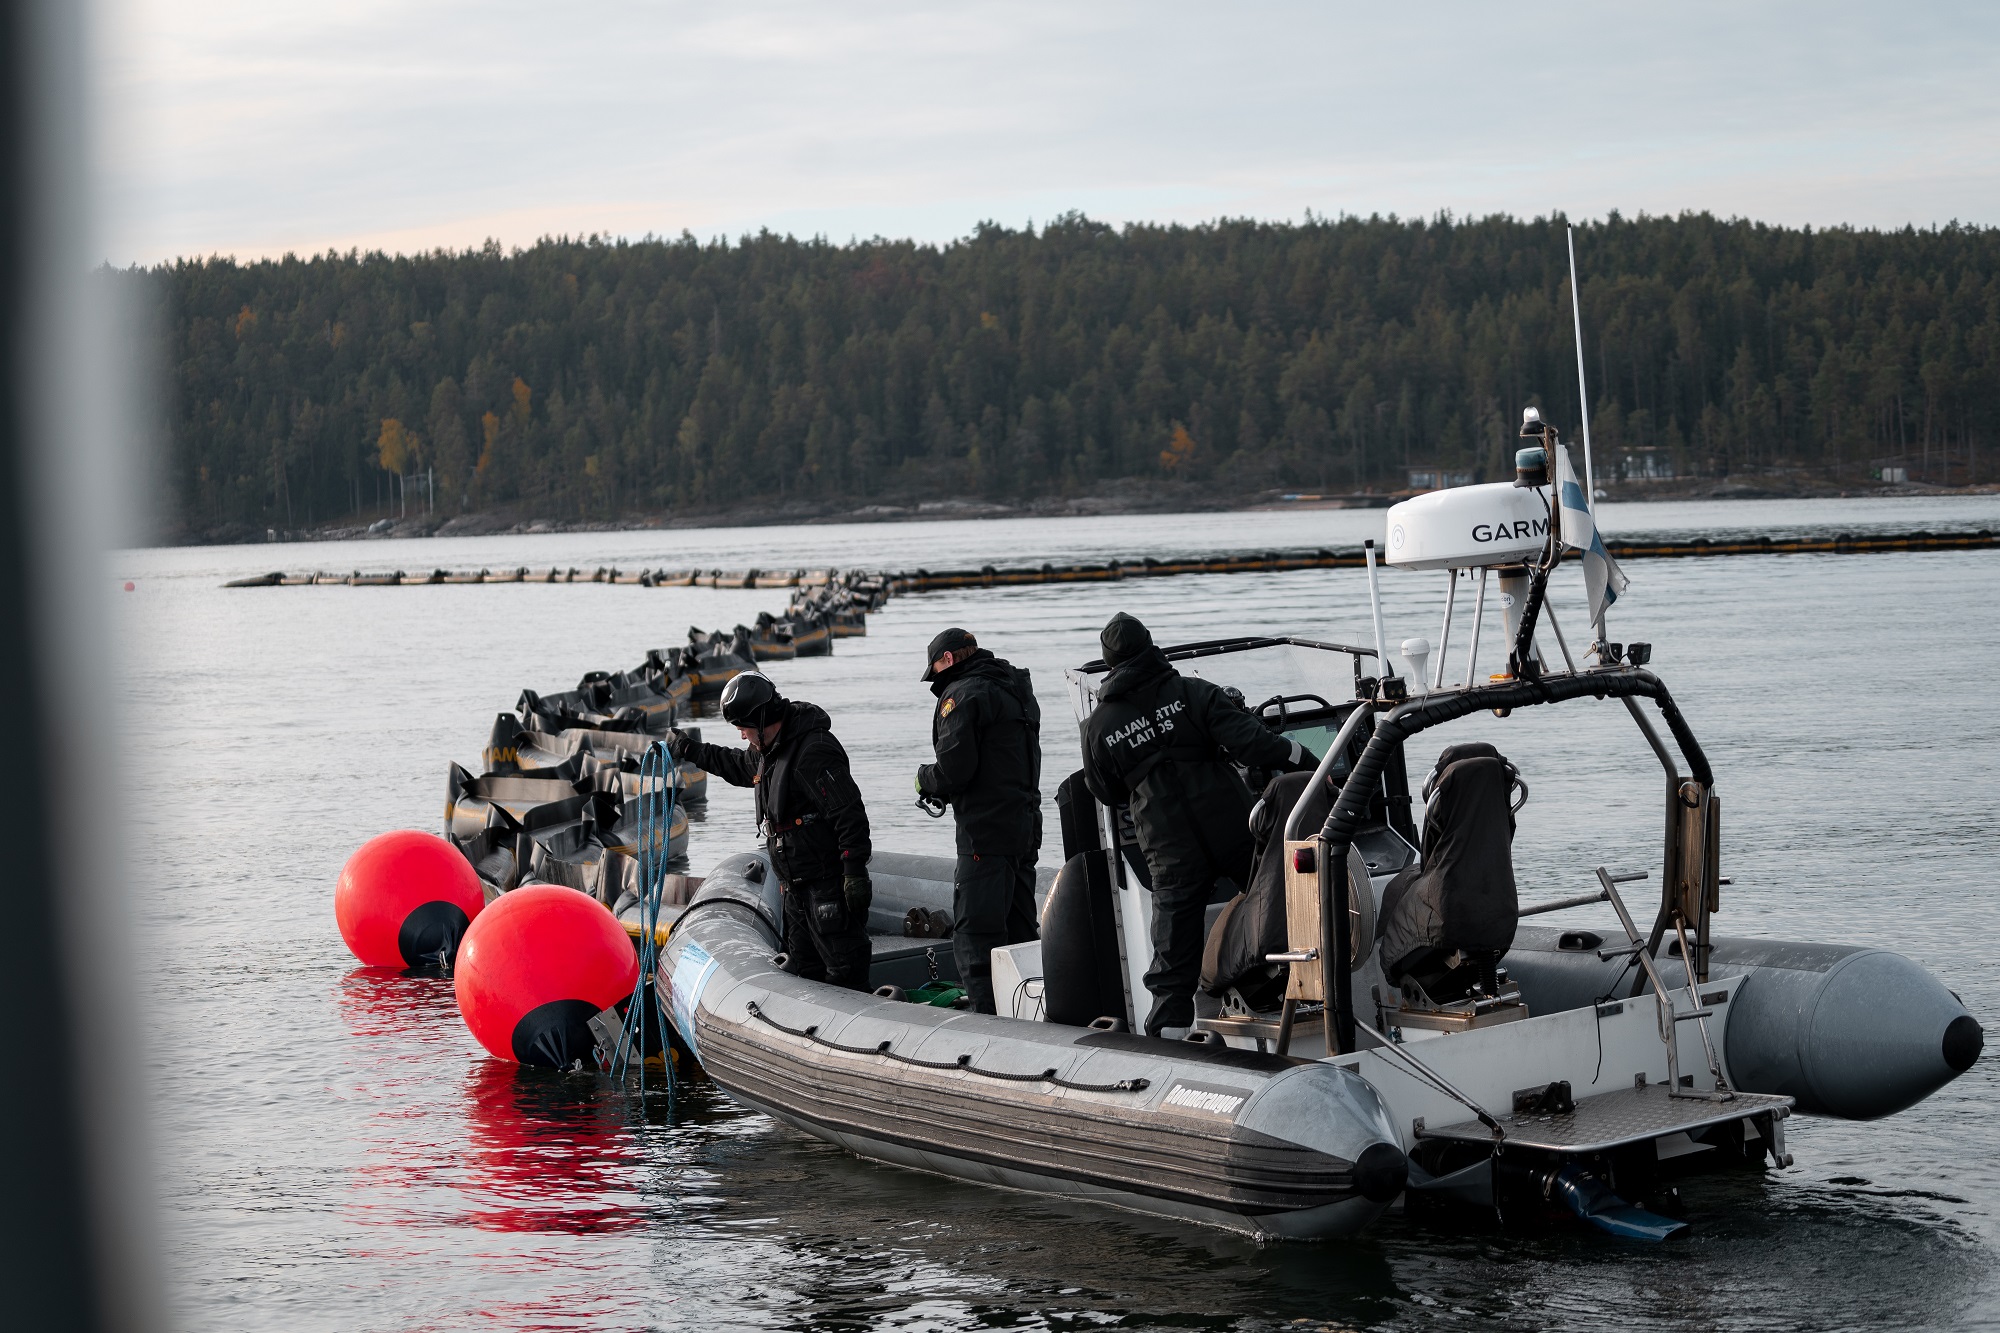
(1170, 1011)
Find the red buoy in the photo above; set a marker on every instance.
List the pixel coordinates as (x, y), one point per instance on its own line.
(405, 900)
(535, 967)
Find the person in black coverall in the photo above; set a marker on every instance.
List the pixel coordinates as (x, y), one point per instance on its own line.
(1159, 743)
(812, 819)
(987, 732)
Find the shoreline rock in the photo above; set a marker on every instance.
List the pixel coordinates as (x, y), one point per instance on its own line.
(1128, 496)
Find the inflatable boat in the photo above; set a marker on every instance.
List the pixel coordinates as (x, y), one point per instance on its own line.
(1375, 1024)
(1258, 1142)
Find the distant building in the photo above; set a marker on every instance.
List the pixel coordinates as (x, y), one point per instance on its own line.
(1436, 479)
(1644, 464)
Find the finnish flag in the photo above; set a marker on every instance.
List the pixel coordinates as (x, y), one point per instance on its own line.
(1601, 575)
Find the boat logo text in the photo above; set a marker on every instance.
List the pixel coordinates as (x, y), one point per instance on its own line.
(1204, 1098)
(1517, 530)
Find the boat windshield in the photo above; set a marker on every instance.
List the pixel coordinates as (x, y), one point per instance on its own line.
(1281, 677)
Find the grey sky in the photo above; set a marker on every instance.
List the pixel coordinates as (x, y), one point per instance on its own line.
(259, 126)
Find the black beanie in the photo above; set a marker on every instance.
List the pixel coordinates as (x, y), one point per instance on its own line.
(1123, 639)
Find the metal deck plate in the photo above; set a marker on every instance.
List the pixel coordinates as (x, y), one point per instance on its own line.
(1610, 1119)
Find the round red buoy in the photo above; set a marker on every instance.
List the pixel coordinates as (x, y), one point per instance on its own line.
(535, 967)
(131, 586)
(405, 900)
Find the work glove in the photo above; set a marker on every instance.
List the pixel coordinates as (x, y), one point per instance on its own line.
(859, 891)
(678, 744)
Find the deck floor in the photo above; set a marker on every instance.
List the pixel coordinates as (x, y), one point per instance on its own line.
(1610, 1119)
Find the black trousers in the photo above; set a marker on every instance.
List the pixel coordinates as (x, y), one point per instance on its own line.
(1184, 883)
(992, 904)
(823, 940)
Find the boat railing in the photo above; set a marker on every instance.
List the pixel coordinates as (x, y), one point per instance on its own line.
(1408, 718)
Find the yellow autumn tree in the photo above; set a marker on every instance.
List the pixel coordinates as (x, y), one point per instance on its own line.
(1179, 451)
(396, 448)
(489, 433)
(523, 396)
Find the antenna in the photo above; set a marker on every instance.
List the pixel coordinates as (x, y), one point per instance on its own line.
(1582, 394)
(1583, 397)
(1383, 669)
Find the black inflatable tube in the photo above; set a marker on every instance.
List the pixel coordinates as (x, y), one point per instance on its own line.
(1418, 715)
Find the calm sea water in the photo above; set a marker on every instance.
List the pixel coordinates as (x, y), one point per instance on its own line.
(335, 1152)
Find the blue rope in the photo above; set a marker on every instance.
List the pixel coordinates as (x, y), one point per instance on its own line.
(657, 776)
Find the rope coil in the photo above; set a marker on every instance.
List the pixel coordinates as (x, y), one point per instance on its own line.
(962, 1063)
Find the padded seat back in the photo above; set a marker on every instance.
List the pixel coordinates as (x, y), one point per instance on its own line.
(1252, 925)
(1461, 898)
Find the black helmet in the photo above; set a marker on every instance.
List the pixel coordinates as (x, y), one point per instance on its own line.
(750, 700)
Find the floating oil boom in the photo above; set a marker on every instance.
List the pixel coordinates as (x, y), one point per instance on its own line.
(873, 584)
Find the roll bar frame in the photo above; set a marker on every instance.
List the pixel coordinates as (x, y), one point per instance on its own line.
(1432, 710)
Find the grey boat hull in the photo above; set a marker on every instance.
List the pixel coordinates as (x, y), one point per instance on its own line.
(1256, 1143)
(1848, 1032)
(1261, 1144)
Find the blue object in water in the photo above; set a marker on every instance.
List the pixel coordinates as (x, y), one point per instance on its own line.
(1592, 1200)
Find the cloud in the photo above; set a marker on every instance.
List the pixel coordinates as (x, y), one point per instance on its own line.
(257, 128)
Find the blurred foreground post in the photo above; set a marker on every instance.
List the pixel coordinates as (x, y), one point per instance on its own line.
(76, 1221)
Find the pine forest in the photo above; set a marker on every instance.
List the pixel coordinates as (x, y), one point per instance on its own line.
(615, 381)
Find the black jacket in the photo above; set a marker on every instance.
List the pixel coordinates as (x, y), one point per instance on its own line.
(808, 808)
(1160, 743)
(987, 732)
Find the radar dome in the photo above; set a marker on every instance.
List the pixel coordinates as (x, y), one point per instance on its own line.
(1468, 527)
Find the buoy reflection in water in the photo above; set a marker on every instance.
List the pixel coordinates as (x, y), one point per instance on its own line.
(548, 1151)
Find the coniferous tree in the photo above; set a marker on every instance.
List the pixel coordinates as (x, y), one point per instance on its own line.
(592, 379)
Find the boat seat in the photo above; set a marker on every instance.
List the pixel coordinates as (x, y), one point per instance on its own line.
(1252, 925)
(1448, 920)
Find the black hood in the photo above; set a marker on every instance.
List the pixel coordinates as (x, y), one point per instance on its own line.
(1141, 671)
(981, 663)
(801, 721)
